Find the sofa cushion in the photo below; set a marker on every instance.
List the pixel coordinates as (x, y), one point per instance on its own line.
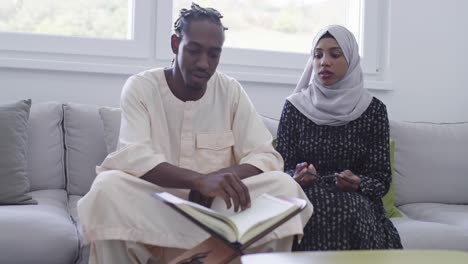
(389, 200)
(110, 117)
(416, 234)
(84, 145)
(46, 169)
(452, 214)
(430, 162)
(14, 183)
(42, 233)
(271, 124)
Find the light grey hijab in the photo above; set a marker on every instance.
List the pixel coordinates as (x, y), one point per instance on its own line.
(341, 102)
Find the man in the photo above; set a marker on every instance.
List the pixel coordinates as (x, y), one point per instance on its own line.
(191, 131)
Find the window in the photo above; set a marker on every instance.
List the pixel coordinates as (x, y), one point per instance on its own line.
(87, 27)
(279, 25)
(267, 41)
(280, 32)
(106, 19)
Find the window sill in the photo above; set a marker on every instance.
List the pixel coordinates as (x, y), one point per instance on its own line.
(242, 73)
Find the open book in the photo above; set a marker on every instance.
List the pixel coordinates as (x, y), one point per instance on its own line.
(242, 228)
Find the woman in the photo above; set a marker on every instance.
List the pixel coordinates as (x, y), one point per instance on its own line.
(334, 138)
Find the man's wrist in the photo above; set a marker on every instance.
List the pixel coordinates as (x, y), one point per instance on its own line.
(195, 182)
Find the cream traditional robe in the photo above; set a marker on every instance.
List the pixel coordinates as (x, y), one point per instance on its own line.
(219, 130)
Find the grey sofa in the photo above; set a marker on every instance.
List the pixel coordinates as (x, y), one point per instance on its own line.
(431, 184)
(67, 141)
(65, 144)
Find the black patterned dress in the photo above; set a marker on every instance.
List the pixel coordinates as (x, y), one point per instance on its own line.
(342, 220)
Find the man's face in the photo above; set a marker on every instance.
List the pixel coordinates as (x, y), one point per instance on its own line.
(198, 52)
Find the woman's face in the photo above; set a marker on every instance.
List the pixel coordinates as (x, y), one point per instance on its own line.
(329, 62)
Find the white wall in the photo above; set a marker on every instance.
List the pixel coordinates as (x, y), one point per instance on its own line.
(79, 87)
(428, 60)
(427, 64)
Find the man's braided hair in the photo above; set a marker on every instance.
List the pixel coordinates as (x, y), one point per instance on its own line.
(196, 13)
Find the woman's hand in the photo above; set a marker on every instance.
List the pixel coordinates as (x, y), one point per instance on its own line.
(347, 181)
(305, 174)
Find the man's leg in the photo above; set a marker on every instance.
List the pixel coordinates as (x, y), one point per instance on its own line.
(210, 251)
(219, 251)
(124, 252)
(279, 245)
(121, 207)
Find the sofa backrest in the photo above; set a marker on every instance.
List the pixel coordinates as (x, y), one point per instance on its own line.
(84, 146)
(431, 163)
(45, 147)
(66, 142)
(271, 124)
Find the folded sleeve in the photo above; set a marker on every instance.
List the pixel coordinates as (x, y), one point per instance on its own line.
(136, 152)
(253, 141)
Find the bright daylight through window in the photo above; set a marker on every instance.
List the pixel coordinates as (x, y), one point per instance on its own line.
(266, 40)
(279, 25)
(106, 19)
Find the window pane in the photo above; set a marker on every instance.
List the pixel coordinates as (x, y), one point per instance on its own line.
(279, 25)
(80, 18)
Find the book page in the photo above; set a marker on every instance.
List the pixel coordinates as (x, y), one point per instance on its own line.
(263, 208)
(264, 212)
(215, 221)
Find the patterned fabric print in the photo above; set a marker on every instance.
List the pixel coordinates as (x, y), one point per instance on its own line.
(342, 220)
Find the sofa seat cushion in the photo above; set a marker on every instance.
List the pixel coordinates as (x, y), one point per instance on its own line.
(84, 246)
(416, 234)
(42, 233)
(452, 214)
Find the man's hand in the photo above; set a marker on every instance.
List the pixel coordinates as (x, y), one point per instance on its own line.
(197, 197)
(305, 174)
(347, 181)
(226, 185)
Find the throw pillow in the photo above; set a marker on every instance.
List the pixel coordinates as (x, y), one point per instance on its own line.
(14, 183)
(110, 117)
(388, 199)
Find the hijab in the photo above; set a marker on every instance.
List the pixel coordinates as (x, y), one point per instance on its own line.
(341, 102)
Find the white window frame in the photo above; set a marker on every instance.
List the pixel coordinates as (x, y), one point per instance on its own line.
(76, 54)
(135, 47)
(285, 67)
(150, 47)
